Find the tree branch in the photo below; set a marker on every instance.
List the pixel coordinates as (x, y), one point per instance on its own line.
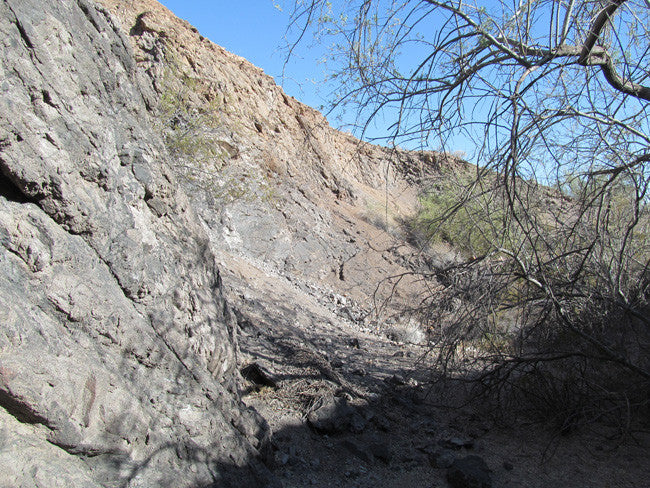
(597, 27)
(592, 56)
(644, 158)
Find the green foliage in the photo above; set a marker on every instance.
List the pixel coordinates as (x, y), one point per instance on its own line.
(231, 187)
(190, 125)
(186, 124)
(462, 212)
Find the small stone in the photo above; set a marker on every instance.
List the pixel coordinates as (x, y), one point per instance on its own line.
(441, 459)
(469, 472)
(457, 443)
(333, 416)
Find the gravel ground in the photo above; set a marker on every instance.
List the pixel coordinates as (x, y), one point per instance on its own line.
(352, 408)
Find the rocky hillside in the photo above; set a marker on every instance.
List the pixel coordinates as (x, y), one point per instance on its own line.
(203, 284)
(273, 182)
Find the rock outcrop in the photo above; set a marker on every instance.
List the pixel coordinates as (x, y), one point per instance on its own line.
(117, 348)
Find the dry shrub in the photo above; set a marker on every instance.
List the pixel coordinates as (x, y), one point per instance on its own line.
(407, 331)
(583, 364)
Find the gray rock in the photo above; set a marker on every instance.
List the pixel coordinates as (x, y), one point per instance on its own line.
(441, 458)
(335, 416)
(469, 472)
(330, 417)
(118, 352)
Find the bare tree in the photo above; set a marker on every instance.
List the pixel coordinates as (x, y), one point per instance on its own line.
(554, 95)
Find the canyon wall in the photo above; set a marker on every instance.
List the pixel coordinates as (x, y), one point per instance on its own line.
(118, 350)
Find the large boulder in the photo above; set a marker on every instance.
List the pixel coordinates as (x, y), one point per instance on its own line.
(117, 348)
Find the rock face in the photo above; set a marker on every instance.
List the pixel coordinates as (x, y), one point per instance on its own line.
(117, 348)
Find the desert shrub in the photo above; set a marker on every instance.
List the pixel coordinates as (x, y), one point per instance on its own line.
(467, 213)
(186, 122)
(558, 331)
(407, 331)
(191, 117)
